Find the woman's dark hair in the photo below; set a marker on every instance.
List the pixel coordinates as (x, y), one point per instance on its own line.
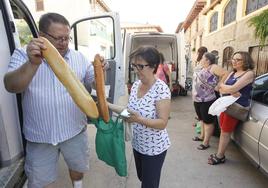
(248, 62)
(162, 58)
(147, 53)
(201, 52)
(211, 57)
(46, 20)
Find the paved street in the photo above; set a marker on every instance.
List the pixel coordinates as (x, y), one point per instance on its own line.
(184, 167)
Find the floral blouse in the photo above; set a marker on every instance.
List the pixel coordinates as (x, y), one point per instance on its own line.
(204, 84)
(146, 140)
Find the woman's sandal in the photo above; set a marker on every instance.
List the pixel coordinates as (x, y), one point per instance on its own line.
(214, 160)
(203, 147)
(196, 138)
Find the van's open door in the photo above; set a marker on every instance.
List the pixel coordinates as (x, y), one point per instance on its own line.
(102, 35)
(12, 12)
(182, 65)
(14, 16)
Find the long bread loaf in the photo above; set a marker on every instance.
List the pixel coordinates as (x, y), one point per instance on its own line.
(67, 77)
(100, 88)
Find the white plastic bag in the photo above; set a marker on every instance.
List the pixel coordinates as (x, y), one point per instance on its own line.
(127, 131)
(221, 104)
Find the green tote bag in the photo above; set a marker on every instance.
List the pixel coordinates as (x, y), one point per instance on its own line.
(110, 144)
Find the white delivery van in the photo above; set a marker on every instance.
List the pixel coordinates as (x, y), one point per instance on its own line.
(173, 48)
(100, 34)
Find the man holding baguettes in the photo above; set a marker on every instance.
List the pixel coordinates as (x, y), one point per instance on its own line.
(52, 122)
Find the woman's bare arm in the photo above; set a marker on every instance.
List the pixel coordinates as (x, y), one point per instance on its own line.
(116, 108)
(242, 82)
(220, 72)
(162, 110)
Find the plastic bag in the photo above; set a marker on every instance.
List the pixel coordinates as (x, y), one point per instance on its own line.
(110, 144)
(128, 131)
(198, 127)
(221, 104)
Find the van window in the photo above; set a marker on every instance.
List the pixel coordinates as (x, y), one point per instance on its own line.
(95, 36)
(25, 26)
(24, 31)
(260, 91)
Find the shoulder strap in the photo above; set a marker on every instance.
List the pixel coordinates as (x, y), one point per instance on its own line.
(207, 84)
(242, 75)
(230, 74)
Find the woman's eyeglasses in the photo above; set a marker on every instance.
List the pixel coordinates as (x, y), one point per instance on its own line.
(59, 39)
(237, 59)
(139, 67)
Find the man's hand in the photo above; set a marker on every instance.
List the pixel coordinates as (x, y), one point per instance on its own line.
(34, 51)
(105, 64)
(18, 80)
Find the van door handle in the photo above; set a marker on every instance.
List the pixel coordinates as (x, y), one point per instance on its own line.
(253, 119)
(12, 26)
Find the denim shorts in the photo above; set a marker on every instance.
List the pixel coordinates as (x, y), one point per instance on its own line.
(41, 163)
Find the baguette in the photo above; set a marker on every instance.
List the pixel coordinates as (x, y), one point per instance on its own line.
(67, 77)
(100, 89)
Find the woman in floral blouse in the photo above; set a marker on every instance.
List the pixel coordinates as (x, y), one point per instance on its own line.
(149, 104)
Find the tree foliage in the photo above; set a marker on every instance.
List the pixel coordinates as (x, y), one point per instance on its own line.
(260, 23)
(25, 34)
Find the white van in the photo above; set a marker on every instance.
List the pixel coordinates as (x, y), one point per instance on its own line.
(17, 27)
(172, 46)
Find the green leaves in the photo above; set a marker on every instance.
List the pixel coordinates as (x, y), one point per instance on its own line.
(260, 23)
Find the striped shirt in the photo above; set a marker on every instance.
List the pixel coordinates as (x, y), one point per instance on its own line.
(49, 113)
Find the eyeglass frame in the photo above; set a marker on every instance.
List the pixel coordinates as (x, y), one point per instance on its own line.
(237, 59)
(59, 39)
(139, 67)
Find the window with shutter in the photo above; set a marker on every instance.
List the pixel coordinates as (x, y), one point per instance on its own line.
(227, 56)
(39, 5)
(214, 22)
(230, 12)
(253, 5)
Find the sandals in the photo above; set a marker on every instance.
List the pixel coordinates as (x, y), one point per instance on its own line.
(214, 160)
(203, 147)
(196, 138)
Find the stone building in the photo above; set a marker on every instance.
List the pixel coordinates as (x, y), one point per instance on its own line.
(71, 9)
(227, 30)
(222, 26)
(137, 27)
(193, 28)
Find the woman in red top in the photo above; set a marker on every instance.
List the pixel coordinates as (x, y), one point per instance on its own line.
(163, 72)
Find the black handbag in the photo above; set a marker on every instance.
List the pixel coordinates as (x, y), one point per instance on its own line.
(238, 111)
